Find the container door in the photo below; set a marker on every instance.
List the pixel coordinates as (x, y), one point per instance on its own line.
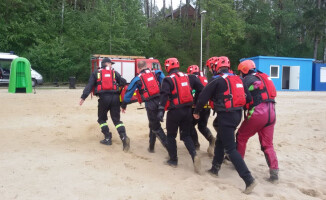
(294, 77)
(323, 74)
(117, 66)
(128, 70)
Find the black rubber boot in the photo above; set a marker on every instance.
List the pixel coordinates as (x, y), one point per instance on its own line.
(250, 186)
(107, 140)
(214, 170)
(197, 164)
(125, 141)
(152, 139)
(172, 162)
(273, 175)
(210, 149)
(161, 137)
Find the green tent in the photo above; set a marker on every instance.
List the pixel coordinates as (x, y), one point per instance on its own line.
(20, 76)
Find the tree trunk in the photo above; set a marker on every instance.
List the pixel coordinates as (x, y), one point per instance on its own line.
(163, 8)
(187, 7)
(317, 37)
(75, 4)
(62, 14)
(171, 10)
(147, 11)
(316, 42)
(180, 14)
(151, 9)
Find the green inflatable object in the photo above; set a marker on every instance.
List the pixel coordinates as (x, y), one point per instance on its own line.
(20, 80)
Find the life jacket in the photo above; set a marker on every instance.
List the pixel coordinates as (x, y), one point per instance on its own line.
(203, 81)
(234, 98)
(202, 78)
(150, 85)
(123, 93)
(267, 89)
(181, 93)
(106, 81)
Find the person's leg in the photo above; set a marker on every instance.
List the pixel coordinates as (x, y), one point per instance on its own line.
(202, 127)
(185, 127)
(172, 123)
(115, 116)
(193, 132)
(250, 127)
(102, 110)
(266, 141)
(218, 151)
(155, 126)
(227, 123)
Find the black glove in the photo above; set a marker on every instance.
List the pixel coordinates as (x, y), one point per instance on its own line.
(123, 105)
(160, 115)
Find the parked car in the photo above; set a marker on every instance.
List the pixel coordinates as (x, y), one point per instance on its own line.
(37, 78)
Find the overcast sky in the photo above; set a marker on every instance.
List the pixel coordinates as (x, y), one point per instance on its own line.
(175, 3)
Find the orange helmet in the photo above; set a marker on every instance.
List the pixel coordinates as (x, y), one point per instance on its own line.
(246, 65)
(192, 69)
(171, 63)
(223, 61)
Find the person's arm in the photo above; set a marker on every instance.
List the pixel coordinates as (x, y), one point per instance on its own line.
(121, 81)
(159, 75)
(205, 95)
(134, 84)
(88, 88)
(248, 94)
(196, 85)
(166, 89)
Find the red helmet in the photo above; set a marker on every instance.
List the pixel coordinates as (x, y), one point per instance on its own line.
(193, 69)
(223, 61)
(246, 65)
(171, 63)
(211, 63)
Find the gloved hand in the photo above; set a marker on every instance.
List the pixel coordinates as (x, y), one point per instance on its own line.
(123, 105)
(160, 115)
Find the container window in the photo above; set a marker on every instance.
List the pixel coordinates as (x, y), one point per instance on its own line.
(274, 71)
(323, 74)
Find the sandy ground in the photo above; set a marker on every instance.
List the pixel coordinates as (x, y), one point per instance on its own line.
(49, 149)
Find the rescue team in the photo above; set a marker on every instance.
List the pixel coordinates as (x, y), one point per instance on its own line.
(188, 98)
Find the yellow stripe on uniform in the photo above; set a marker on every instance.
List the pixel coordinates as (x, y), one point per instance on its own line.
(104, 124)
(119, 125)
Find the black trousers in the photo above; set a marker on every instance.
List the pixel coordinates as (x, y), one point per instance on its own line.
(179, 118)
(202, 125)
(226, 124)
(110, 102)
(154, 124)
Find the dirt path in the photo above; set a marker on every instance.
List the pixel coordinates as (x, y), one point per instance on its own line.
(49, 149)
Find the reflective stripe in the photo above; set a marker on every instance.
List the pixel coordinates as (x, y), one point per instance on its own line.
(251, 88)
(104, 124)
(250, 112)
(119, 125)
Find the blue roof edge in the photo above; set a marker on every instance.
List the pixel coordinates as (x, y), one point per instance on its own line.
(280, 58)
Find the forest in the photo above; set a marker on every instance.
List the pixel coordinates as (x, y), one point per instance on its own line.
(58, 37)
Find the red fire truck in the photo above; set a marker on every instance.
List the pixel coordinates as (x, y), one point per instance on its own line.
(127, 66)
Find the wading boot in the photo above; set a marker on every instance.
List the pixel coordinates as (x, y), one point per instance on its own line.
(250, 186)
(126, 144)
(152, 139)
(107, 140)
(172, 162)
(197, 164)
(210, 149)
(214, 170)
(273, 175)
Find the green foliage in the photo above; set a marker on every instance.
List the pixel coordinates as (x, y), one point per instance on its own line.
(58, 42)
